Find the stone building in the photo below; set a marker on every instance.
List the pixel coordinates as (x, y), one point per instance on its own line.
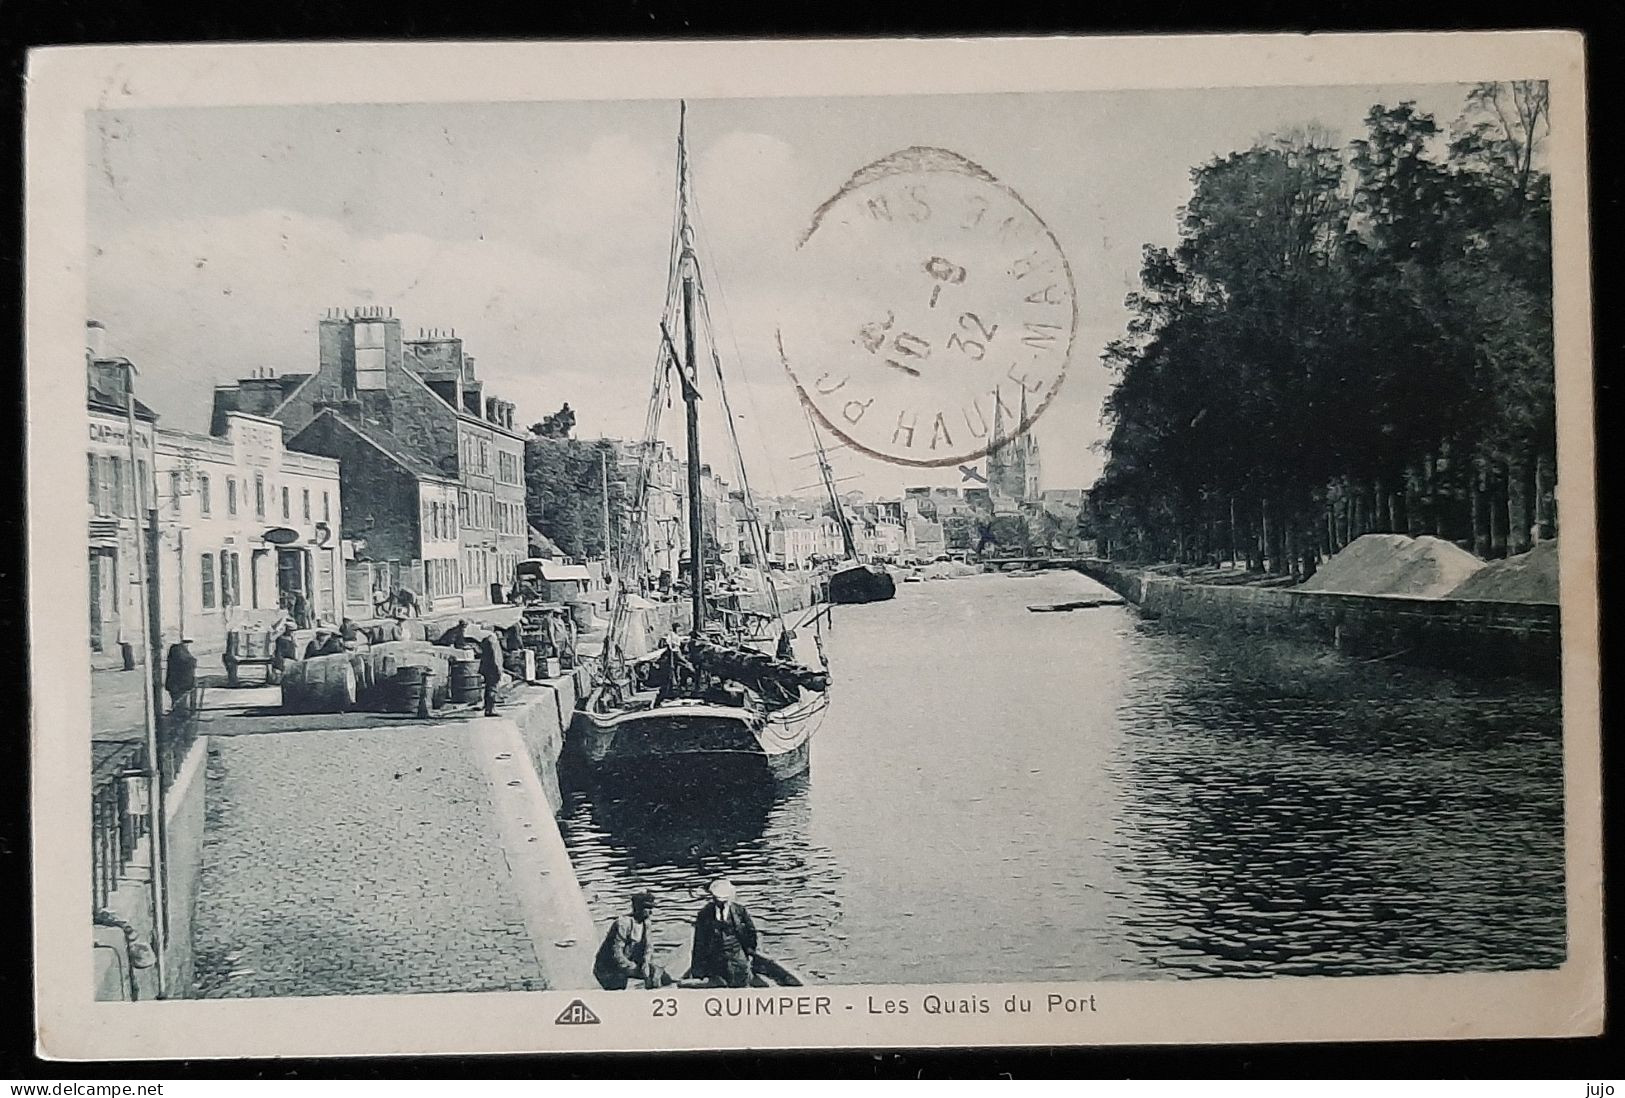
(1013, 463)
(416, 417)
(400, 517)
(665, 522)
(792, 541)
(246, 524)
(118, 496)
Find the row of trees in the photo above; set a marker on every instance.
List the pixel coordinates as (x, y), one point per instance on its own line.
(1345, 340)
(1005, 533)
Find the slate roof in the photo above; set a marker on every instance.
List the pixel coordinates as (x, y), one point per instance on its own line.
(412, 463)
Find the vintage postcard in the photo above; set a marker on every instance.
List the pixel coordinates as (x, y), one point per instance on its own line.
(806, 544)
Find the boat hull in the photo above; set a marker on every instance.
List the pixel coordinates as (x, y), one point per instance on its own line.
(682, 739)
(861, 583)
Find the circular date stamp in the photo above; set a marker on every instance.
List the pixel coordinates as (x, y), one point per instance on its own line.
(938, 307)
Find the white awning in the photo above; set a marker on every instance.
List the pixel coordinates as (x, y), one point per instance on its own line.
(553, 572)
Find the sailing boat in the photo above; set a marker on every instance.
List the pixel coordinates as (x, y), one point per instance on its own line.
(714, 697)
(853, 579)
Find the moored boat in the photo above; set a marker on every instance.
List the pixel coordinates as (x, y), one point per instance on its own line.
(857, 582)
(713, 699)
(852, 580)
(1075, 604)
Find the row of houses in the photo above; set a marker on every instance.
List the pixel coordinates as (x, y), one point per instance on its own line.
(386, 467)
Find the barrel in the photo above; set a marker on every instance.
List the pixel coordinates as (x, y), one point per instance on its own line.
(465, 681)
(407, 690)
(322, 684)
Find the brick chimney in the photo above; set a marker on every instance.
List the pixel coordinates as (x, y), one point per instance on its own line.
(95, 339)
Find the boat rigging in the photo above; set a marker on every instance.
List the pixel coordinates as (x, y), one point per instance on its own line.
(714, 695)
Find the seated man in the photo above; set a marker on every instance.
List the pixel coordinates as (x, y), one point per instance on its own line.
(455, 637)
(624, 954)
(724, 940)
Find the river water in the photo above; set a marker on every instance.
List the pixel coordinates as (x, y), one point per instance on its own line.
(997, 795)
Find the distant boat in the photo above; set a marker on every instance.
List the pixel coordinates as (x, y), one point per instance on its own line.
(853, 580)
(1076, 604)
(857, 582)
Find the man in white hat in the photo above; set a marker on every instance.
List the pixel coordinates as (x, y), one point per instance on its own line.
(724, 939)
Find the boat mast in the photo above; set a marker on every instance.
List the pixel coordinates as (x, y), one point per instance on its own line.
(829, 486)
(689, 370)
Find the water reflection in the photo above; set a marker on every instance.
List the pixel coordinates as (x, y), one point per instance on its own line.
(1000, 795)
(625, 835)
(1297, 814)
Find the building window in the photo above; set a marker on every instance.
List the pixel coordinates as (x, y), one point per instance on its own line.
(207, 574)
(231, 495)
(120, 504)
(369, 356)
(462, 507)
(174, 492)
(304, 496)
(287, 512)
(95, 485)
(327, 509)
(204, 503)
(109, 498)
(229, 579)
(259, 495)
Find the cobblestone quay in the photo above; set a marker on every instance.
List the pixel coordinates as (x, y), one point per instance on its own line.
(369, 861)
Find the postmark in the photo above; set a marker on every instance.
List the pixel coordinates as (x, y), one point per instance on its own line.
(940, 311)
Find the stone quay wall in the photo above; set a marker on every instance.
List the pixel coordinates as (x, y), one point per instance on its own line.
(1482, 637)
(132, 901)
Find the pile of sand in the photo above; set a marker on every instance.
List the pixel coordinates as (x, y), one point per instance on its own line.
(1393, 564)
(1527, 577)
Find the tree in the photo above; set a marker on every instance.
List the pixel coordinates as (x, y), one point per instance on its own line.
(1342, 341)
(958, 532)
(564, 494)
(1010, 534)
(557, 425)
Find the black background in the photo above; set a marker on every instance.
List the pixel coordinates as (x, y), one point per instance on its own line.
(24, 25)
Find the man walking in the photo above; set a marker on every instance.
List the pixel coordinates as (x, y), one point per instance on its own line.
(724, 940)
(180, 676)
(490, 670)
(126, 649)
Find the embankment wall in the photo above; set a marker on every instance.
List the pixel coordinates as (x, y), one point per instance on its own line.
(543, 716)
(1494, 638)
(132, 901)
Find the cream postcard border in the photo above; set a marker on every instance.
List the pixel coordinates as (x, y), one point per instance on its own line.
(64, 84)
